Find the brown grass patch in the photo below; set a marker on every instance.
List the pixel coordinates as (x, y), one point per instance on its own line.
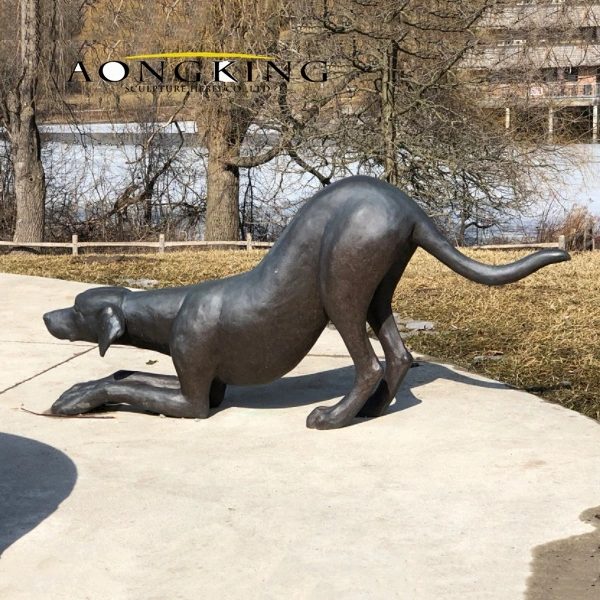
(177, 268)
(547, 326)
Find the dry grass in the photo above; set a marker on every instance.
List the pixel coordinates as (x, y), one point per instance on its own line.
(547, 326)
(177, 268)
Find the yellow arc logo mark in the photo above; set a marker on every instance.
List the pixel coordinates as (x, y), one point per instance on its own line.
(200, 54)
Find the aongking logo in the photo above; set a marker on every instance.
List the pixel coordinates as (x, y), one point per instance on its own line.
(193, 71)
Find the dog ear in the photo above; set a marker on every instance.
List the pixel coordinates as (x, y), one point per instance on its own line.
(111, 325)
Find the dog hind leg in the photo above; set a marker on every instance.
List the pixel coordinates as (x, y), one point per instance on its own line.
(398, 359)
(354, 260)
(368, 371)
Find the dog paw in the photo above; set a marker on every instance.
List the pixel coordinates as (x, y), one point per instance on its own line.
(80, 398)
(324, 417)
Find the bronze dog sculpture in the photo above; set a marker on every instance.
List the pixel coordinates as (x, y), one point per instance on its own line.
(339, 259)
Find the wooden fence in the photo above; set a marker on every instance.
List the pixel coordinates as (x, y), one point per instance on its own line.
(561, 243)
(249, 244)
(161, 244)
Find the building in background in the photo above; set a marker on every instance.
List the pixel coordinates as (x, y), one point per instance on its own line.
(538, 64)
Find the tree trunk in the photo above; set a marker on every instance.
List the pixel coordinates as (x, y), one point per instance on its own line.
(226, 128)
(462, 229)
(222, 196)
(388, 82)
(30, 185)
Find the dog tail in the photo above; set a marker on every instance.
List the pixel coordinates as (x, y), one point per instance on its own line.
(427, 236)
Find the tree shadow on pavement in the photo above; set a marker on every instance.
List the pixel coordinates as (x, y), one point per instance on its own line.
(34, 479)
(568, 569)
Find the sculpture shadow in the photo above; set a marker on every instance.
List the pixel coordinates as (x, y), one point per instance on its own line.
(34, 479)
(301, 390)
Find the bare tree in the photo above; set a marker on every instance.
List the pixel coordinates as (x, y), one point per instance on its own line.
(397, 103)
(7, 195)
(18, 111)
(236, 26)
(412, 113)
(223, 121)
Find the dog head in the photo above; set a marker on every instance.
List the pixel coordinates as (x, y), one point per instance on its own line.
(96, 316)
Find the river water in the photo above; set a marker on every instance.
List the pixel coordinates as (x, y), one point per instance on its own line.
(94, 164)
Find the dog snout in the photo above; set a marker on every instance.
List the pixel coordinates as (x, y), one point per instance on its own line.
(60, 323)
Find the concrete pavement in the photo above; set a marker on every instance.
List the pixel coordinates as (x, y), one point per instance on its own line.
(466, 489)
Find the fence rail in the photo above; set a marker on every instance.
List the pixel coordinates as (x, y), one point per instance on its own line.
(161, 244)
(249, 244)
(560, 243)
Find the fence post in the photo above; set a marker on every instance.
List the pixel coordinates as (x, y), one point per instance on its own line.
(248, 241)
(561, 242)
(161, 243)
(74, 241)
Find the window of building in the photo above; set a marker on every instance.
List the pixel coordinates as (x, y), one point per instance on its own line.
(588, 34)
(550, 74)
(570, 73)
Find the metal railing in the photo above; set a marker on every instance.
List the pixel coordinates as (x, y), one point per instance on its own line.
(562, 89)
(539, 91)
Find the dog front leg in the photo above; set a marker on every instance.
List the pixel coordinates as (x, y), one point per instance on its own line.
(154, 379)
(155, 393)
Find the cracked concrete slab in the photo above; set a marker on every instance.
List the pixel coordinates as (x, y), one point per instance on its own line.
(22, 361)
(25, 349)
(447, 496)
